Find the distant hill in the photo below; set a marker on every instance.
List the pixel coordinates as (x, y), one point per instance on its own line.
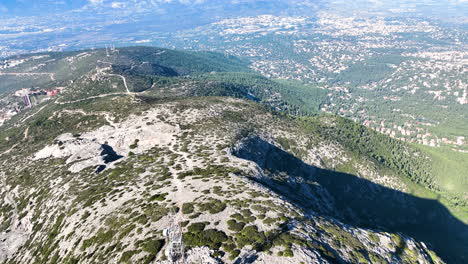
(153, 70)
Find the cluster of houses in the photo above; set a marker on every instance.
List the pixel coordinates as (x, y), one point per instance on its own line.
(30, 97)
(27, 93)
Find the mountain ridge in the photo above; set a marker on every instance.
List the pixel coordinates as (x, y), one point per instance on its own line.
(138, 160)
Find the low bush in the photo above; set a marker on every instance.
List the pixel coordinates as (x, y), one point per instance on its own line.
(211, 238)
(187, 208)
(153, 246)
(214, 206)
(196, 227)
(234, 225)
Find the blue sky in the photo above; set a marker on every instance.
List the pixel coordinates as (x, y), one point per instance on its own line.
(43, 7)
(37, 7)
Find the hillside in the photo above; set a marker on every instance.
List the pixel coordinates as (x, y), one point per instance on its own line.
(135, 143)
(163, 73)
(44, 69)
(96, 72)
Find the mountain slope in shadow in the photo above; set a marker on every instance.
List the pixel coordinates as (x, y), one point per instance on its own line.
(357, 201)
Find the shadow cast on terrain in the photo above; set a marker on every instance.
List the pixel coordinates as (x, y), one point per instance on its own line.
(247, 260)
(357, 201)
(108, 155)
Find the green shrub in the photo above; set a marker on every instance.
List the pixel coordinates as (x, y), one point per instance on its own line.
(374, 238)
(141, 219)
(85, 215)
(251, 236)
(100, 238)
(229, 247)
(288, 253)
(125, 231)
(234, 254)
(260, 209)
(234, 225)
(218, 254)
(148, 259)
(269, 221)
(246, 213)
(214, 206)
(135, 144)
(158, 197)
(187, 208)
(153, 246)
(211, 238)
(242, 218)
(195, 215)
(237, 216)
(156, 212)
(127, 255)
(196, 227)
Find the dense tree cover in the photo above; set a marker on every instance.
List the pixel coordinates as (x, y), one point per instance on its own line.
(431, 168)
(384, 150)
(288, 96)
(138, 61)
(378, 77)
(182, 62)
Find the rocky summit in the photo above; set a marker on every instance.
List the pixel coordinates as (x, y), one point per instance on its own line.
(149, 155)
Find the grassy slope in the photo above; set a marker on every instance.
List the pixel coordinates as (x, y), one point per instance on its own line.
(450, 169)
(442, 177)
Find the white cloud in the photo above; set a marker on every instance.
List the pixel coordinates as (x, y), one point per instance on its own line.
(142, 3)
(96, 2)
(118, 5)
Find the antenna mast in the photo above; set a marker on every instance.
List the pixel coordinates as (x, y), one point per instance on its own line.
(175, 248)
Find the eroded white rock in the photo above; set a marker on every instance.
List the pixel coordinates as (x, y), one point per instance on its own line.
(136, 134)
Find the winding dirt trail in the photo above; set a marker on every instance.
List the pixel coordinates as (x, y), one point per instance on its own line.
(89, 98)
(124, 82)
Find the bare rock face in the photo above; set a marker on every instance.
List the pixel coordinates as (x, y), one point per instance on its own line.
(109, 143)
(201, 255)
(19, 229)
(14, 237)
